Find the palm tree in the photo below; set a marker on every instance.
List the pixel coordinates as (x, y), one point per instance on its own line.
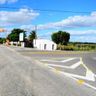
(32, 36)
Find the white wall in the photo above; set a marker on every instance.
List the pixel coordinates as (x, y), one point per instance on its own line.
(43, 44)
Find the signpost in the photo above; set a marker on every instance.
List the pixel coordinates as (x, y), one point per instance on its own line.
(21, 39)
(2, 30)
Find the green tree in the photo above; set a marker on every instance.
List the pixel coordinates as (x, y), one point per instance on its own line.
(14, 35)
(32, 36)
(61, 37)
(2, 40)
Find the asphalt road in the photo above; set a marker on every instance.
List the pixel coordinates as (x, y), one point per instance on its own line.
(27, 73)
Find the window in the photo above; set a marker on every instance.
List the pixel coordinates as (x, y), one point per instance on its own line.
(52, 46)
(45, 45)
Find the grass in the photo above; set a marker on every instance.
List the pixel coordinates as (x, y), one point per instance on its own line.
(77, 47)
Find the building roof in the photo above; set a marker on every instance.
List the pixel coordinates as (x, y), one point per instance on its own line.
(44, 41)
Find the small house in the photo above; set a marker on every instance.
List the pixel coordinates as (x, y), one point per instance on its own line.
(43, 44)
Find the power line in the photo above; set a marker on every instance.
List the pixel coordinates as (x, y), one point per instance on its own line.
(49, 10)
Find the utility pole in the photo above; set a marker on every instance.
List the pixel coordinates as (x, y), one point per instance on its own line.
(35, 30)
(36, 33)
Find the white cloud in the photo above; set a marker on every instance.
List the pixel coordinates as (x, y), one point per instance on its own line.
(7, 1)
(82, 32)
(77, 21)
(72, 22)
(17, 17)
(76, 35)
(83, 35)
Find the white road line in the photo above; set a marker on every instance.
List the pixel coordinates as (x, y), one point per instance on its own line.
(66, 60)
(84, 64)
(50, 60)
(81, 77)
(90, 76)
(90, 86)
(75, 77)
(68, 67)
(75, 65)
(86, 84)
(61, 66)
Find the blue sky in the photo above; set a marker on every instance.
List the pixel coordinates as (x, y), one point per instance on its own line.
(81, 26)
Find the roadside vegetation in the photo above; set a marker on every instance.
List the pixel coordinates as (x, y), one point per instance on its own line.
(2, 40)
(61, 38)
(77, 46)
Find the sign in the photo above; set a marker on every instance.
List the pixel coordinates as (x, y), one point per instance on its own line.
(21, 37)
(2, 30)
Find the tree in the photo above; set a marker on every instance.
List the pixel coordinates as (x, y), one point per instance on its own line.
(2, 40)
(32, 36)
(61, 37)
(14, 35)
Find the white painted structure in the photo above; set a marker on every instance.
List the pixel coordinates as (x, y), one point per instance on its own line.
(43, 44)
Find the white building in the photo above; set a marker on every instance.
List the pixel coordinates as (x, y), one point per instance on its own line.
(43, 44)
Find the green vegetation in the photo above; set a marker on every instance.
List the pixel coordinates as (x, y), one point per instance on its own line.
(77, 46)
(32, 35)
(61, 37)
(29, 41)
(2, 40)
(14, 35)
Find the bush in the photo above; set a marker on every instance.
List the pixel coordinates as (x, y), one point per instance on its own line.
(65, 47)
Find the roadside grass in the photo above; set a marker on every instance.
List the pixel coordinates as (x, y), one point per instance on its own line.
(77, 47)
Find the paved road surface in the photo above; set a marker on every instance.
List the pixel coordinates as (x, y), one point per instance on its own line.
(24, 76)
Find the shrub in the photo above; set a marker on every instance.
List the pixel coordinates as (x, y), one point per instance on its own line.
(64, 47)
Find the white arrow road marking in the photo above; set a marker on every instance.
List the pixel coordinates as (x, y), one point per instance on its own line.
(89, 74)
(59, 61)
(86, 84)
(68, 67)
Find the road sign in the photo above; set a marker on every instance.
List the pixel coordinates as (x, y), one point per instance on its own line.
(2, 30)
(21, 37)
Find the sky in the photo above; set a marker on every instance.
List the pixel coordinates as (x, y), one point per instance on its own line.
(78, 17)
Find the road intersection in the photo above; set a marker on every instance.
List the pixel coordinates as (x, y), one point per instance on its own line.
(72, 67)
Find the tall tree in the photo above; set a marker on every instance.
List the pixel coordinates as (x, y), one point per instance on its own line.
(61, 37)
(14, 35)
(32, 36)
(2, 40)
